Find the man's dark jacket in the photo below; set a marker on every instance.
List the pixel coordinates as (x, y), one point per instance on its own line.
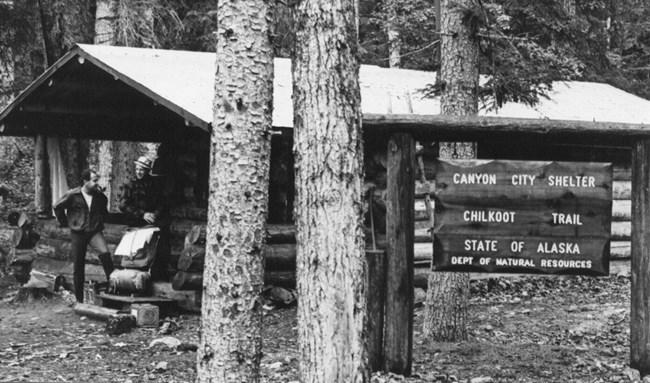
(140, 196)
(72, 211)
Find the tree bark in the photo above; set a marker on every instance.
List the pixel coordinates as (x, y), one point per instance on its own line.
(328, 150)
(65, 23)
(42, 189)
(113, 160)
(394, 42)
(447, 295)
(230, 349)
(105, 19)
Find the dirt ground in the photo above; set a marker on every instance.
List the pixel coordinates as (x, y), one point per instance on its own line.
(533, 329)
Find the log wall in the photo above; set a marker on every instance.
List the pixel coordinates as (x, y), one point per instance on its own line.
(190, 208)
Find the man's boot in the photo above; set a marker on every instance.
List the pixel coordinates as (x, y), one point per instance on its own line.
(107, 264)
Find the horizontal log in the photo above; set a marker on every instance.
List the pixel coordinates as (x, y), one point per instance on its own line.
(184, 280)
(192, 258)
(277, 233)
(21, 256)
(188, 280)
(622, 210)
(621, 231)
(276, 256)
(620, 249)
(448, 128)
(622, 190)
(186, 300)
(92, 311)
(62, 249)
(50, 228)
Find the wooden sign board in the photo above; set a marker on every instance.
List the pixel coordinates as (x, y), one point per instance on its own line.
(522, 217)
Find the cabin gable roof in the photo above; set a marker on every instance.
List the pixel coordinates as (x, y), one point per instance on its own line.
(139, 94)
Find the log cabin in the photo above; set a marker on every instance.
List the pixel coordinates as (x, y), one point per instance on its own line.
(159, 97)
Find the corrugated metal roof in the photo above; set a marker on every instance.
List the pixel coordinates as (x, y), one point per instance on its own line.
(186, 79)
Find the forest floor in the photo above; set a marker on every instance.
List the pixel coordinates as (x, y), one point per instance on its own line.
(532, 329)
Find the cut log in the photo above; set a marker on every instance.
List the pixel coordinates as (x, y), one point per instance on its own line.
(192, 258)
(186, 300)
(94, 312)
(65, 269)
(51, 282)
(280, 257)
(186, 280)
(277, 257)
(196, 236)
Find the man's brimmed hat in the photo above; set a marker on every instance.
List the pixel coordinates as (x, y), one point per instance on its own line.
(144, 162)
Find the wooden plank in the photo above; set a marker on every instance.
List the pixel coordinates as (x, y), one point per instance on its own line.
(592, 219)
(621, 190)
(621, 210)
(640, 288)
(398, 330)
(460, 180)
(539, 255)
(620, 231)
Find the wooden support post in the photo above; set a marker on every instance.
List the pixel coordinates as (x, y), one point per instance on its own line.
(375, 307)
(640, 298)
(398, 334)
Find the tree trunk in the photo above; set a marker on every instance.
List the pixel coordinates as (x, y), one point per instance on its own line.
(328, 150)
(114, 160)
(394, 42)
(447, 295)
(65, 23)
(230, 348)
(42, 190)
(105, 19)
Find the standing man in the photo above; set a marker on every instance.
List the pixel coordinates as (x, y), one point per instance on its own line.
(83, 209)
